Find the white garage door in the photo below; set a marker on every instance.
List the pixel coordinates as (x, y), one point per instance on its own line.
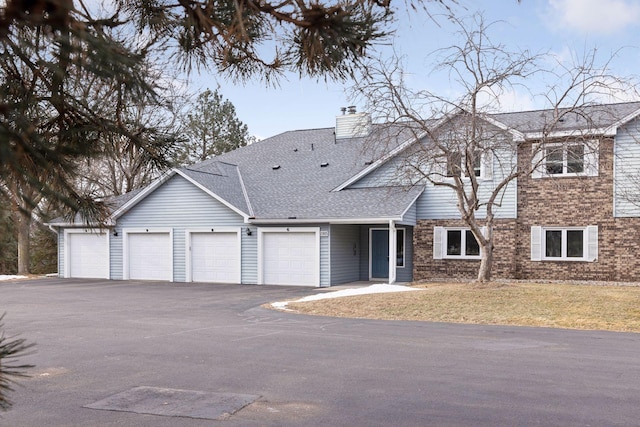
(87, 255)
(150, 256)
(290, 258)
(215, 257)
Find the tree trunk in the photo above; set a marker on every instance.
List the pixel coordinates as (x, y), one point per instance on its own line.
(486, 262)
(23, 224)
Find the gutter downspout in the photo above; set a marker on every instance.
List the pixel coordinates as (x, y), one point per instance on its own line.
(392, 251)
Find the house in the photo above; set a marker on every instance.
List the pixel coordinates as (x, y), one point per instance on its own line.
(322, 207)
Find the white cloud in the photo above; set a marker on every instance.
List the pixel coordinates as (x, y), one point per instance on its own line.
(595, 16)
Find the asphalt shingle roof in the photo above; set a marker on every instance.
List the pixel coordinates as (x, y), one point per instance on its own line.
(294, 174)
(587, 118)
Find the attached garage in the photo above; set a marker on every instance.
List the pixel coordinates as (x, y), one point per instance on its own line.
(86, 253)
(148, 254)
(289, 256)
(214, 255)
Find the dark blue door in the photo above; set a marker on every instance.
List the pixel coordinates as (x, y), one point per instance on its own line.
(380, 254)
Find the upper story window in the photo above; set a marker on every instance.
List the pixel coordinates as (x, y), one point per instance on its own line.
(564, 160)
(570, 159)
(456, 165)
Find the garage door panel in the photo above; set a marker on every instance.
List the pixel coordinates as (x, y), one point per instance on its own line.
(88, 255)
(150, 256)
(290, 258)
(215, 257)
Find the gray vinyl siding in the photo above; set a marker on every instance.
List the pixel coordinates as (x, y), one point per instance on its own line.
(325, 255)
(345, 249)
(364, 250)
(249, 253)
(439, 202)
(179, 205)
(391, 173)
(60, 252)
(411, 216)
(405, 274)
(626, 166)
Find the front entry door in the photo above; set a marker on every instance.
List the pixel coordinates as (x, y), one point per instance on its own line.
(379, 254)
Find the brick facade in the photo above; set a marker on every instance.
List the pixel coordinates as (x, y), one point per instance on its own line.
(560, 202)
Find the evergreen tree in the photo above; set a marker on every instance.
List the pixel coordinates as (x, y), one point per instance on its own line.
(211, 128)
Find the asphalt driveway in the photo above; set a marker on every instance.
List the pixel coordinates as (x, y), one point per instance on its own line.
(108, 350)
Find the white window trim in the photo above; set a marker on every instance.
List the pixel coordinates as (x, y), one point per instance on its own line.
(440, 243)
(485, 168)
(188, 252)
(404, 246)
(590, 159)
(589, 245)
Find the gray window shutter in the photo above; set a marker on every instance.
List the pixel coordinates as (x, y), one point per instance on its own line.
(592, 243)
(591, 158)
(536, 243)
(437, 242)
(536, 159)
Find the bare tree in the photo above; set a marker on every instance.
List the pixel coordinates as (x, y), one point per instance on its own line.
(461, 146)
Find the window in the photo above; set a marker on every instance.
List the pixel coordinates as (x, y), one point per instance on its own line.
(455, 164)
(564, 244)
(455, 243)
(573, 159)
(400, 247)
(564, 160)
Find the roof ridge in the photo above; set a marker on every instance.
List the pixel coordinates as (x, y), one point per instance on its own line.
(539, 110)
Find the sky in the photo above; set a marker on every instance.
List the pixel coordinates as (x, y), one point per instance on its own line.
(563, 28)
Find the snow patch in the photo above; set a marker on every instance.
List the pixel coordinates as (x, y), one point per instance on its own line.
(373, 289)
(11, 276)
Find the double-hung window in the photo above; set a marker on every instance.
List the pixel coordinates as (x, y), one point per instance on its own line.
(455, 243)
(456, 165)
(564, 244)
(565, 160)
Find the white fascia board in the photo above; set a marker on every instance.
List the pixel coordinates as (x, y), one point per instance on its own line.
(382, 160)
(246, 195)
(412, 203)
(324, 221)
(517, 135)
(214, 195)
(108, 223)
(570, 133)
(613, 128)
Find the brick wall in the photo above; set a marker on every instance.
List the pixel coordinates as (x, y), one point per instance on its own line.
(565, 202)
(425, 267)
